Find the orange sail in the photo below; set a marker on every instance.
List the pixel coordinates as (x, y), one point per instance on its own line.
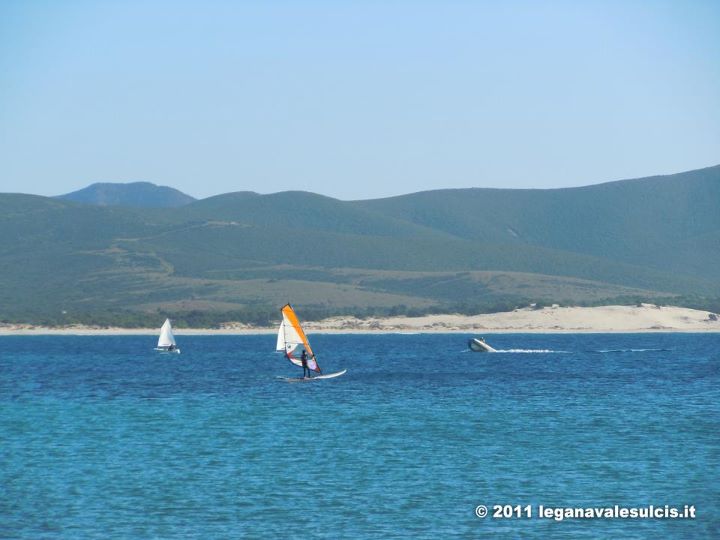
(292, 339)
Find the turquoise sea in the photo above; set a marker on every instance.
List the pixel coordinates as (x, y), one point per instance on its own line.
(101, 437)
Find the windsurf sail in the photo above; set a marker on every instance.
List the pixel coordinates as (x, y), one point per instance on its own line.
(293, 341)
(166, 338)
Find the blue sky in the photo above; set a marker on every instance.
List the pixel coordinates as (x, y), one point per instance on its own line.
(355, 99)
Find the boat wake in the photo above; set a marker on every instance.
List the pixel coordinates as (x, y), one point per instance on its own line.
(531, 351)
(522, 351)
(604, 351)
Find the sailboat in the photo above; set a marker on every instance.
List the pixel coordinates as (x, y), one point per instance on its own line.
(292, 341)
(166, 341)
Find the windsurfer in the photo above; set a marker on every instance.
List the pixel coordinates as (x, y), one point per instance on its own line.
(306, 370)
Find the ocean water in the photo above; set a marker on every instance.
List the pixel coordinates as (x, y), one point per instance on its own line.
(101, 437)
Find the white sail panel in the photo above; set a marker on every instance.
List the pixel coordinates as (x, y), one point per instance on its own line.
(166, 335)
(291, 334)
(289, 341)
(281, 338)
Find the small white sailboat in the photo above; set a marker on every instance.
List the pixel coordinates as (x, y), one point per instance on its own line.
(479, 345)
(166, 341)
(293, 342)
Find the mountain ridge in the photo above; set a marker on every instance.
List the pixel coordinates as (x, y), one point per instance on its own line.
(131, 194)
(235, 256)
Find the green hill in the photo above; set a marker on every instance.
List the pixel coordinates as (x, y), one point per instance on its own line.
(241, 255)
(669, 223)
(134, 194)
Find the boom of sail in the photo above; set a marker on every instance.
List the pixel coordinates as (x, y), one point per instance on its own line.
(292, 340)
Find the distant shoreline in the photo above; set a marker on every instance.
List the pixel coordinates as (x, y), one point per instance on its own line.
(646, 318)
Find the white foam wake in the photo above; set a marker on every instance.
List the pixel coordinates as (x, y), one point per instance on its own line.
(629, 350)
(529, 351)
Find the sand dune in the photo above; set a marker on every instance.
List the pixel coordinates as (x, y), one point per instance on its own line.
(645, 318)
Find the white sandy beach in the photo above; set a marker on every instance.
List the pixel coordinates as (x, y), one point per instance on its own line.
(627, 319)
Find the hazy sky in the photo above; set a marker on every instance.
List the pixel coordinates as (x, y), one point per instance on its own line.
(354, 99)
